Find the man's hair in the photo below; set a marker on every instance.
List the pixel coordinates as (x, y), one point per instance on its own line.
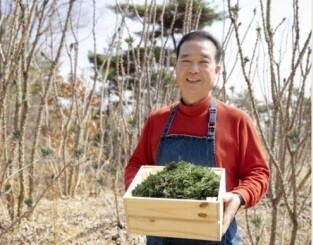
(201, 35)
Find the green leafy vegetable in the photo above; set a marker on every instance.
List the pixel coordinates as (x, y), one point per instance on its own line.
(180, 180)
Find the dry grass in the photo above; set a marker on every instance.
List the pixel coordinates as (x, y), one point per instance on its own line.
(81, 220)
(93, 220)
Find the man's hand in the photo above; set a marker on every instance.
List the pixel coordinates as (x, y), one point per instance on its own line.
(231, 205)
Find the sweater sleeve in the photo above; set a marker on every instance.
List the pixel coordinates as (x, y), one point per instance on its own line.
(142, 155)
(253, 171)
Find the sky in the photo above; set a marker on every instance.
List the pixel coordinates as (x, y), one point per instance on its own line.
(107, 22)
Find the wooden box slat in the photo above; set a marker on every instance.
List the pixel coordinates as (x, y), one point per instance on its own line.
(175, 228)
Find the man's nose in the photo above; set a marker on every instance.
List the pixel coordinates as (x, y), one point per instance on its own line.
(194, 67)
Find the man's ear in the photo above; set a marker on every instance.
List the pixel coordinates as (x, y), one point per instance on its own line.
(218, 69)
(175, 67)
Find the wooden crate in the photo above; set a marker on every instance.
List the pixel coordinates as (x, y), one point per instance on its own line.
(181, 218)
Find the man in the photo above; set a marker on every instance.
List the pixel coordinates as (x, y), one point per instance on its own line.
(205, 131)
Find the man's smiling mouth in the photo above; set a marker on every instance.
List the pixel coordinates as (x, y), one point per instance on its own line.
(193, 80)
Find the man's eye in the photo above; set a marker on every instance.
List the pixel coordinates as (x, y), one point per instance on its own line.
(204, 61)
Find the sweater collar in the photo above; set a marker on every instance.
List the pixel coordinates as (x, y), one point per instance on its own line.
(197, 109)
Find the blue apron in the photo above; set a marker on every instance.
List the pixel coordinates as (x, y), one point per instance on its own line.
(198, 150)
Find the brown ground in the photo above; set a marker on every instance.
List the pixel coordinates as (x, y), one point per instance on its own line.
(73, 221)
(93, 220)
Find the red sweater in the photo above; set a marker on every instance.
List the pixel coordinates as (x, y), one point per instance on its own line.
(237, 146)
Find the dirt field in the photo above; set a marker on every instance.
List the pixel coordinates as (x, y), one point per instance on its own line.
(72, 221)
(85, 221)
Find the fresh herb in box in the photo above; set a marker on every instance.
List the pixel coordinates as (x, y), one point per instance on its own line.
(180, 180)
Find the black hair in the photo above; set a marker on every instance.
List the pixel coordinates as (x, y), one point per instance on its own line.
(201, 35)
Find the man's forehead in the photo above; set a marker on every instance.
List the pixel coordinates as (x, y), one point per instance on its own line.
(186, 55)
(206, 48)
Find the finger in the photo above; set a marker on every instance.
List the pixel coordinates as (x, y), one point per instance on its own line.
(230, 209)
(227, 218)
(227, 196)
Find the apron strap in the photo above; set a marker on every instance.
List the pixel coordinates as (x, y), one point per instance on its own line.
(169, 121)
(212, 119)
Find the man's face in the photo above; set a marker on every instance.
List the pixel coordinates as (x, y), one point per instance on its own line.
(196, 70)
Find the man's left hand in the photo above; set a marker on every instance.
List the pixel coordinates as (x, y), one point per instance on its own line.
(231, 205)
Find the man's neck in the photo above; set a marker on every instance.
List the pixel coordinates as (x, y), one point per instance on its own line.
(192, 101)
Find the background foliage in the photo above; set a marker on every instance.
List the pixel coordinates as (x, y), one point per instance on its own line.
(74, 134)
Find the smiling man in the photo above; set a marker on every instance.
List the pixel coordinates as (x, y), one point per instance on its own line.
(205, 131)
(196, 70)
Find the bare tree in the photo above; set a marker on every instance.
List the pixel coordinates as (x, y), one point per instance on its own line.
(285, 125)
(76, 134)
(25, 28)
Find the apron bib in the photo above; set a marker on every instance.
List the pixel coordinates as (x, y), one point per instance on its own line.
(200, 151)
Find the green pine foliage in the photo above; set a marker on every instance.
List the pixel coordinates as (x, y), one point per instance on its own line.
(180, 180)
